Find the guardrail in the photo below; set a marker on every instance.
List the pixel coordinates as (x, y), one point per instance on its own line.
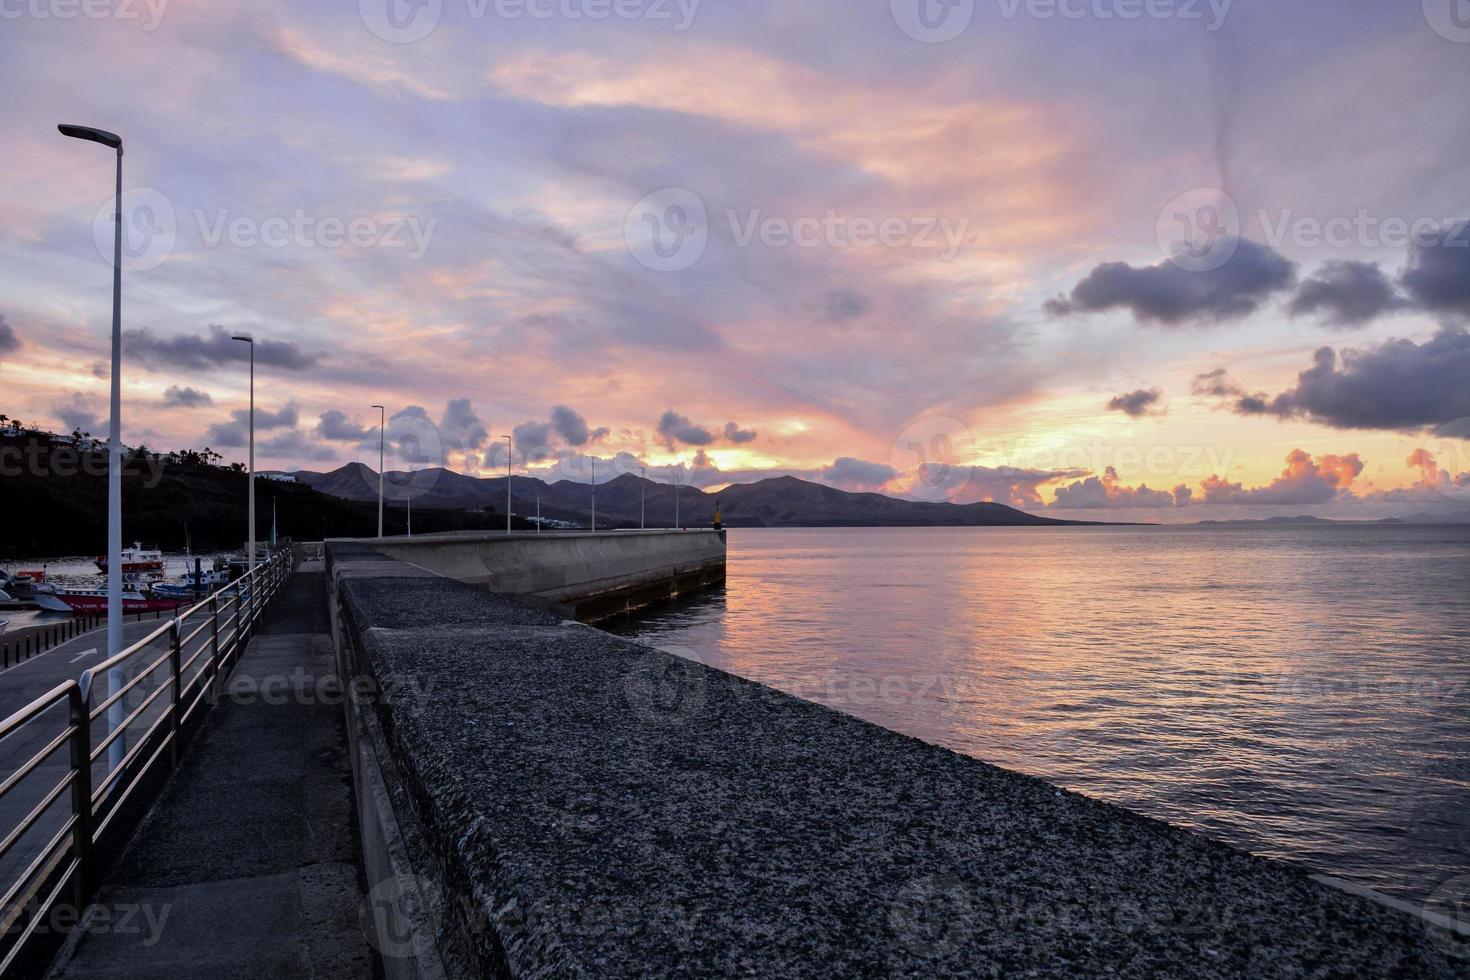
(54, 846)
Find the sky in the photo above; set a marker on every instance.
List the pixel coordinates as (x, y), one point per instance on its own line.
(1146, 260)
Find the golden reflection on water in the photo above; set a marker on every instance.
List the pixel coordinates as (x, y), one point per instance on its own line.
(1302, 692)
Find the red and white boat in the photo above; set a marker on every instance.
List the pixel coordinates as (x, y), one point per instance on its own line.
(137, 564)
(95, 601)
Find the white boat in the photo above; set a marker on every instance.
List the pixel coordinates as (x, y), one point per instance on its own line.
(139, 565)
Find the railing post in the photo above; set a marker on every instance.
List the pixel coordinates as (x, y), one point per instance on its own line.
(214, 648)
(81, 792)
(175, 663)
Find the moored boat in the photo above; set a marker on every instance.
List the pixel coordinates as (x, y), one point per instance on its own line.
(95, 601)
(137, 562)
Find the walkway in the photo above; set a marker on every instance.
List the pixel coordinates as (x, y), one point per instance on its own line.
(248, 866)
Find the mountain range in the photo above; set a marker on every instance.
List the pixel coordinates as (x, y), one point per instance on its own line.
(778, 502)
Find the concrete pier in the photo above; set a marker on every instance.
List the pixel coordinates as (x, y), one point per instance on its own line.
(581, 574)
(549, 800)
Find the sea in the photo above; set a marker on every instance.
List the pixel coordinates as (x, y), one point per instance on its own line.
(1302, 692)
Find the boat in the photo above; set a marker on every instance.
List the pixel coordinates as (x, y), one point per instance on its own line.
(23, 586)
(138, 562)
(198, 582)
(95, 601)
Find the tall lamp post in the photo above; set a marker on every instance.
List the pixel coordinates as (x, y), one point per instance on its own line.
(114, 442)
(382, 434)
(509, 452)
(643, 502)
(250, 560)
(594, 493)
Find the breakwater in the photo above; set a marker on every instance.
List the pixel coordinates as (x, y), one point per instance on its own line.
(539, 797)
(584, 575)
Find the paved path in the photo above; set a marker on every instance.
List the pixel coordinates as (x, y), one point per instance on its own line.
(248, 866)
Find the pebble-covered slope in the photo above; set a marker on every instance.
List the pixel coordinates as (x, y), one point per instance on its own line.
(615, 811)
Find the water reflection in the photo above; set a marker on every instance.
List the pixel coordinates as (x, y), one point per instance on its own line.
(1301, 692)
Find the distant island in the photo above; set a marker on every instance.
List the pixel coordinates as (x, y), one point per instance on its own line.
(1308, 519)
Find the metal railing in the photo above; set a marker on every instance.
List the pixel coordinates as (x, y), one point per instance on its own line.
(156, 687)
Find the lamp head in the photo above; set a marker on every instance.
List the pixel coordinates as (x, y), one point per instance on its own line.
(247, 340)
(91, 134)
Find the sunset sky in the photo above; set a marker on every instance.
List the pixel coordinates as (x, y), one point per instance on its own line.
(731, 239)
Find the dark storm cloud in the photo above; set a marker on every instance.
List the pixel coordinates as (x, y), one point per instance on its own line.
(1219, 384)
(1171, 295)
(9, 342)
(177, 397)
(460, 427)
(296, 444)
(213, 350)
(676, 428)
(570, 425)
(532, 441)
(847, 473)
(1136, 404)
(236, 432)
(1346, 294)
(1215, 384)
(1397, 385)
(565, 427)
(1438, 275)
(737, 435)
(337, 427)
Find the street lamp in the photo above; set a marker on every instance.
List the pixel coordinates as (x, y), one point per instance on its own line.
(250, 561)
(114, 442)
(382, 433)
(594, 493)
(643, 501)
(509, 452)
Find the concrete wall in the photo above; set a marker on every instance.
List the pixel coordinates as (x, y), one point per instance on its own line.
(588, 573)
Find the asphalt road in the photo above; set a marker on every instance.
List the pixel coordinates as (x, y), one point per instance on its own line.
(27, 681)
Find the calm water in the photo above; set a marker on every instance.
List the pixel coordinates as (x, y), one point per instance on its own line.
(1301, 692)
